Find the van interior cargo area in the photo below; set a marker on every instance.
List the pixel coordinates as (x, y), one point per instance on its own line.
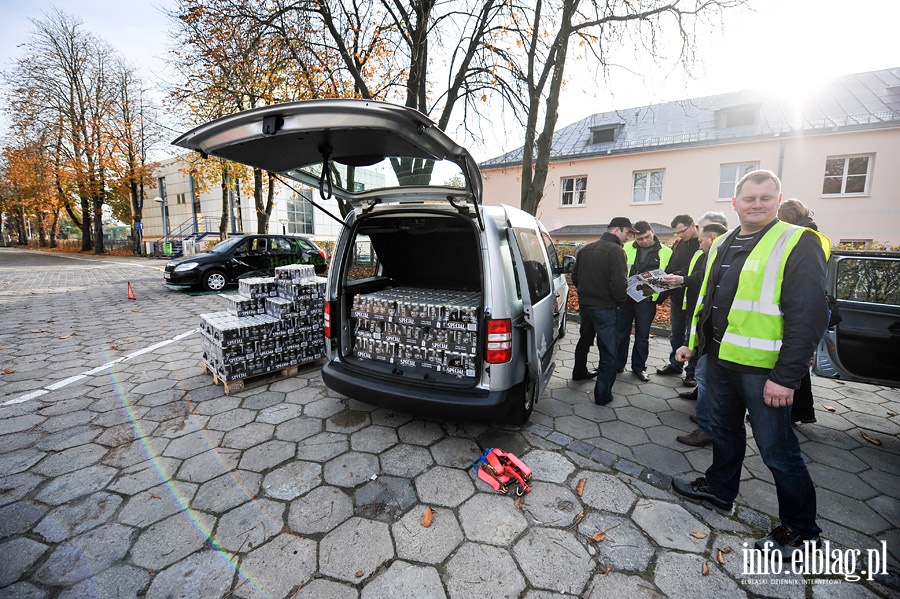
(423, 321)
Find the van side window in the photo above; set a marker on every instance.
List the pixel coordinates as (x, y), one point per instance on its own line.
(869, 280)
(363, 261)
(536, 273)
(551, 253)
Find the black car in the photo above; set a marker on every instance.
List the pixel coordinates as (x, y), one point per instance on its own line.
(864, 345)
(240, 256)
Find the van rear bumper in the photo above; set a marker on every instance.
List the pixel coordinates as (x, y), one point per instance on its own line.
(455, 404)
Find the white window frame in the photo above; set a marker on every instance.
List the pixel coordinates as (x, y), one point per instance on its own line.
(843, 192)
(573, 193)
(742, 169)
(646, 191)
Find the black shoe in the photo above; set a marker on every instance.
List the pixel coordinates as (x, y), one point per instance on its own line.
(642, 376)
(699, 490)
(692, 394)
(585, 377)
(690, 381)
(668, 369)
(785, 541)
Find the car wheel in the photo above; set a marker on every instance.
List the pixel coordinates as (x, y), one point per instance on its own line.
(525, 404)
(214, 280)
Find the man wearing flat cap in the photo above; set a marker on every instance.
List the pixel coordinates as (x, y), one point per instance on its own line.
(600, 278)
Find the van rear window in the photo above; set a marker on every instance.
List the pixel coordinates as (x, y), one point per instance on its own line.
(869, 280)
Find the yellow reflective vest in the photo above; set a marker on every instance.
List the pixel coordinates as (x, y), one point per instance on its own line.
(690, 271)
(755, 322)
(665, 252)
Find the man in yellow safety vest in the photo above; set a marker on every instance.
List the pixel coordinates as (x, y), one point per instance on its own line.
(760, 313)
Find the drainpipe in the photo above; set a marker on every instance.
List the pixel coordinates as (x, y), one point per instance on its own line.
(781, 161)
(194, 203)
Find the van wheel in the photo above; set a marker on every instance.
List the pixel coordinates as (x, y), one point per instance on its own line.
(525, 405)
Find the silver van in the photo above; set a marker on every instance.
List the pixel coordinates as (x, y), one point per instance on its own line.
(435, 303)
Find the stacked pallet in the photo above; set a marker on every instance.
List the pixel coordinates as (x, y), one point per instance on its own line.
(270, 327)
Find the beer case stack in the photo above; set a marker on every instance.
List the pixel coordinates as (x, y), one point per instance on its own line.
(425, 329)
(271, 324)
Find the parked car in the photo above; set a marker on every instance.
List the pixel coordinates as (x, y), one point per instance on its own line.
(435, 302)
(240, 256)
(865, 345)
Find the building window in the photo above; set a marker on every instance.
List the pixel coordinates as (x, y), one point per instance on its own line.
(603, 135)
(847, 175)
(737, 116)
(574, 191)
(300, 216)
(648, 187)
(730, 174)
(180, 199)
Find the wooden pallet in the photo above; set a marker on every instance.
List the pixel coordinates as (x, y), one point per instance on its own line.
(252, 381)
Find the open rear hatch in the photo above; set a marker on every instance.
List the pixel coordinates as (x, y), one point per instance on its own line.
(362, 150)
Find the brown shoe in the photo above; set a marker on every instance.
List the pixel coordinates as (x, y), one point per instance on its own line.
(696, 439)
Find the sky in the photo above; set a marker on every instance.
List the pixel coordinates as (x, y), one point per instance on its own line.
(788, 46)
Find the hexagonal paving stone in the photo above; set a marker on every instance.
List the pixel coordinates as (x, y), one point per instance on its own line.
(75, 518)
(292, 480)
(605, 492)
(616, 584)
(322, 447)
(249, 525)
(455, 452)
(551, 505)
(420, 432)
(170, 541)
(80, 557)
(245, 437)
(208, 465)
(355, 549)
(384, 498)
(319, 511)
(373, 439)
(202, 574)
(117, 581)
(448, 487)
(577, 427)
(405, 580)
(268, 455)
(298, 429)
(467, 575)
(348, 421)
(624, 546)
(154, 504)
(68, 487)
(430, 545)
(492, 518)
(549, 466)
(279, 413)
(326, 589)
(285, 562)
(19, 555)
(669, 577)
(227, 491)
(351, 469)
(541, 553)
(670, 525)
(405, 460)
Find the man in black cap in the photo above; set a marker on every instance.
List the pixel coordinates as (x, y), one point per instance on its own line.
(599, 276)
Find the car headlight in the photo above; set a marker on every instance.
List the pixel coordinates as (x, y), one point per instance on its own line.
(186, 266)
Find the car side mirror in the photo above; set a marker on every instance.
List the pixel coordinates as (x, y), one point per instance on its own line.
(568, 264)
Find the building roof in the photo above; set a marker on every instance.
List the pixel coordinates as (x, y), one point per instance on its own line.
(851, 102)
(598, 230)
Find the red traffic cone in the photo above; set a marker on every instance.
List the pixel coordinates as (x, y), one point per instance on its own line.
(130, 292)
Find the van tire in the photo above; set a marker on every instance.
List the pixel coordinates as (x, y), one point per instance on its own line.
(524, 406)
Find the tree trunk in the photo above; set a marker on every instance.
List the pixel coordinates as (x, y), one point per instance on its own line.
(98, 226)
(223, 222)
(86, 237)
(261, 221)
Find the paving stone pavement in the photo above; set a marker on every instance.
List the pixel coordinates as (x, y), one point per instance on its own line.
(126, 472)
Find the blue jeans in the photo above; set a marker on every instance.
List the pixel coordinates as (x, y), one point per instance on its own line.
(731, 394)
(641, 314)
(678, 317)
(703, 421)
(586, 336)
(606, 321)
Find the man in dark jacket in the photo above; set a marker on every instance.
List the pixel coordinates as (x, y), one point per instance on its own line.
(599, 276)
(760, 314)
(684, 248)
(644, 254)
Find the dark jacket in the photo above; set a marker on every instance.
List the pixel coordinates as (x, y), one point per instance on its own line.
(682, 252)
(691, 288)
(803, 306)
(599, 273)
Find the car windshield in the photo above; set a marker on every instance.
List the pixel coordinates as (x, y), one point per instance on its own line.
(226, 245)
(391, 172)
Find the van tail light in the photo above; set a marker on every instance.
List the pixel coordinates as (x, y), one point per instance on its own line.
(329, 332)
(322, 254)
(499, 341)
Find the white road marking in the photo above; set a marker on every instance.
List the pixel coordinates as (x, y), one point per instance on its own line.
(73, 379)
